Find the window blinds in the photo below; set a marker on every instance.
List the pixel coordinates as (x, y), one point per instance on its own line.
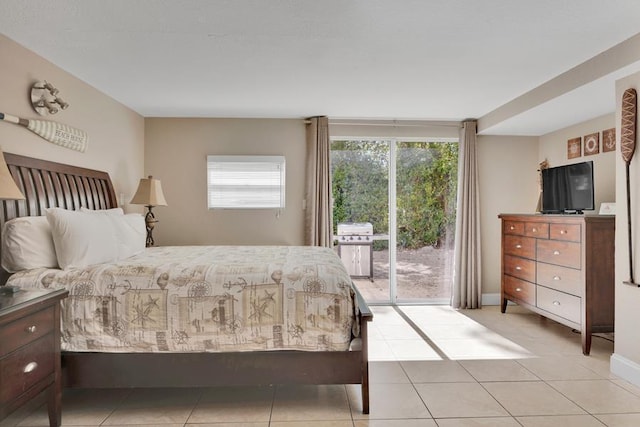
(246, 182)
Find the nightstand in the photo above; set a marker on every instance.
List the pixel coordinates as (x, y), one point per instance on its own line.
(30, 350)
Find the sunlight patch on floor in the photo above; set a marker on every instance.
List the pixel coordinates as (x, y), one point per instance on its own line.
(435, 333)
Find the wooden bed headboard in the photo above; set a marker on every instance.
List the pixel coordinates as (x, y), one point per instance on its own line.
(48, 184)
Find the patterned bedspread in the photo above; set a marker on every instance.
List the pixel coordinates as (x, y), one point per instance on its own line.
(206, 298)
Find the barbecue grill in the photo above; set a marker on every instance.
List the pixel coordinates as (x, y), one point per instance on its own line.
(355, 248)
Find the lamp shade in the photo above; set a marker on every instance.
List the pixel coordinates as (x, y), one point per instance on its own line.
(8, 187)
(149, 193)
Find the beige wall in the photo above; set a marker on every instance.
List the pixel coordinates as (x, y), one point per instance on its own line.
(176, 152)
(507, 168)
(553, 147)
(116, 133)
(626, 358)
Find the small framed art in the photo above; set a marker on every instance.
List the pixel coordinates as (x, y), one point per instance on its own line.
(574, 148)
(608, 208)
(609, 140)
(592, 144)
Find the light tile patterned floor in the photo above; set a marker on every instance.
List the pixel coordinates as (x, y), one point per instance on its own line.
(430, 366)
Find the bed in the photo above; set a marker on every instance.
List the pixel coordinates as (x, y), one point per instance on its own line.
(175, 357)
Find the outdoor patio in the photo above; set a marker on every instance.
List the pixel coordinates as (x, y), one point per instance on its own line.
(422, 274)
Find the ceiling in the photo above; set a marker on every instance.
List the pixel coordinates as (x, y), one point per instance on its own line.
(364, 59)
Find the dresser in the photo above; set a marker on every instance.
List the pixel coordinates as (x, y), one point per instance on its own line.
(30, 350)
(561, 267)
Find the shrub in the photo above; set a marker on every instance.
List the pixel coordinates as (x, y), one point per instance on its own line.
(426, 178)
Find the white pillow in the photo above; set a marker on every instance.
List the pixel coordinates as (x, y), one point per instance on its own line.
(131, 233)
(84, 238)
(112, 211)
(128, 230)
(27, 243)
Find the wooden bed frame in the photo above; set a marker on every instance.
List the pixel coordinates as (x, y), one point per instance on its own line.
(47, 184)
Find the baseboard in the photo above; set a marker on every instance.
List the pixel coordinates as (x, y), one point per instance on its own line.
(626, 369)
(490, 299)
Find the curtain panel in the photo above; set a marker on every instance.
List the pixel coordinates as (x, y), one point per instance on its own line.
(467, 277)
(319, 207)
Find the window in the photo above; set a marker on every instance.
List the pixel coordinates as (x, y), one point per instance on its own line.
(245, 182)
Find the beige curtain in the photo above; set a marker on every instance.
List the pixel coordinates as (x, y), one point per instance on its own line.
(467, 286)
(319, 209)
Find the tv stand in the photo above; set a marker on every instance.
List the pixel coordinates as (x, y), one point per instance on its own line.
(561, 267)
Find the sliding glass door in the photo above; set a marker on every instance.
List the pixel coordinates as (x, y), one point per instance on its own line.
(406, 190)
(425, 182)
(360, 175)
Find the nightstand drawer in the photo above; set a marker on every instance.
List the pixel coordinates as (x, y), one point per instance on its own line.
(30, 350)
(559, 303)
(22, 331)
(25, 367)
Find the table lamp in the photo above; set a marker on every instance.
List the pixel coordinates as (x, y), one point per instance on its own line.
(149, 193)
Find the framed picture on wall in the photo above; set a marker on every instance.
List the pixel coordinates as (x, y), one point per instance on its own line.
(574, 148)
(609, 140)
(592, 144)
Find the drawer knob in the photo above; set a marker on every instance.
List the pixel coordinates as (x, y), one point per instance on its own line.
(30, 367)
(563, 231)
(518, 246)
(556, 252)
(518, 268)
(31, 329)
(534, 230)
(512, 228)
(518, 289)
(556, 303)
(556, 277)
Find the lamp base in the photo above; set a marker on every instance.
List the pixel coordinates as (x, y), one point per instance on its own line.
(150, 222)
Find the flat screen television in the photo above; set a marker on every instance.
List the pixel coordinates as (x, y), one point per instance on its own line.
(568, 188)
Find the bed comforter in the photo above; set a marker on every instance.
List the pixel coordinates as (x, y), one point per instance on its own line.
(206, 299)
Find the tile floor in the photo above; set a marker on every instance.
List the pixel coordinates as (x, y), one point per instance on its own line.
(430, 366)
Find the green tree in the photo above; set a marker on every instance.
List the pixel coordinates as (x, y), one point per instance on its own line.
(426, 188)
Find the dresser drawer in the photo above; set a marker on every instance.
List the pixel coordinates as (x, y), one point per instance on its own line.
(513, 227)
(520, 246)
(22, 331)
(568, 232)
(521, 268)
(560, 253)
(537, 229)
(519, 290)
(563, 279)
(559, 303)
(25, 367)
